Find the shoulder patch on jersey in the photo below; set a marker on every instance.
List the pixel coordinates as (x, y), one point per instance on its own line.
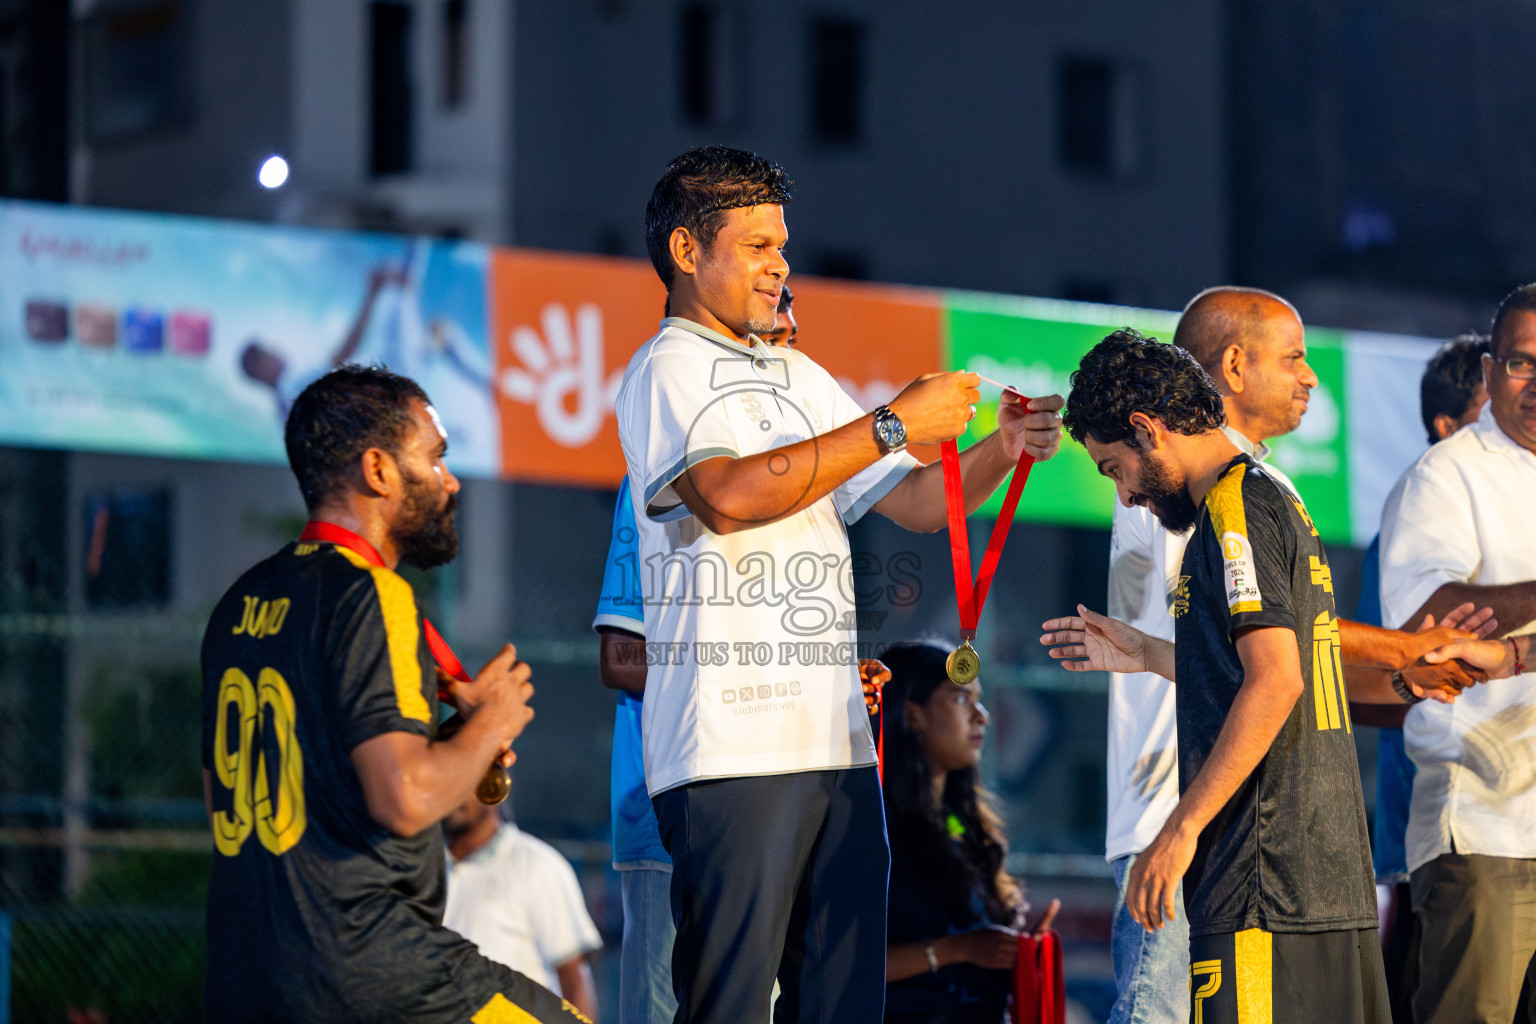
(397, 604)
(1229, 521)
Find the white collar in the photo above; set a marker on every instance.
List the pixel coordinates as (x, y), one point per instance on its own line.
(756, 348)
(1259, 451)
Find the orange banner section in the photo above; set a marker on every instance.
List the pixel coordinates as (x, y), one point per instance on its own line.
(564, 326)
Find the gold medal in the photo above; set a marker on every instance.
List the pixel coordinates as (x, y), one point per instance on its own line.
(494, 785)
(963, 664)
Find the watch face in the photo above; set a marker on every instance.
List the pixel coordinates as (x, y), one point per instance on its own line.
(891, 431)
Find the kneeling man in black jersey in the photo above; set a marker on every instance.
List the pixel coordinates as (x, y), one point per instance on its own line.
(324, 770)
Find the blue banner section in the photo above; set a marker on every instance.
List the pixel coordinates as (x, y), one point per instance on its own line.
(190, 338)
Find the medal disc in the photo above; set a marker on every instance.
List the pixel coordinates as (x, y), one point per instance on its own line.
(494, 785)
(963, 664)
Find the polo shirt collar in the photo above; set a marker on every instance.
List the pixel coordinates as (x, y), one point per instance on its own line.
(1259, 452)
(758, 347)
(1493, 437)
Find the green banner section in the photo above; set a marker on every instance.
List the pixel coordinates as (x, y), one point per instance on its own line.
(1035, 344)
(1316, 456)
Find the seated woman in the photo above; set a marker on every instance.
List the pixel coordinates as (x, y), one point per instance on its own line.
(953, 909)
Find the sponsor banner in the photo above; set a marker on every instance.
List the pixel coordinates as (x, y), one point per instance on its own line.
(1315, 455)
(1386, 436)
(190, 338)
(1034, 345)
(565, 327)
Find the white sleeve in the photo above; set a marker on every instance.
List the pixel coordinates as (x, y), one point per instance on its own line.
(670, 420)
(561, 925)
(859, 493)
(1428, 539)
(1131, 561)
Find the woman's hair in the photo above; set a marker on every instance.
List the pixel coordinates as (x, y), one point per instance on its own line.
(955, 869)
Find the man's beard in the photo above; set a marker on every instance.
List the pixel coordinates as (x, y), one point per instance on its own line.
(1170, 503)
(760, 325)
(425, 536)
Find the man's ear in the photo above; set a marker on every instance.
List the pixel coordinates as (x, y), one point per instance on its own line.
(1445, 425)
(376, 473)
(1234, 363)
(685, 251)
(1149, 432)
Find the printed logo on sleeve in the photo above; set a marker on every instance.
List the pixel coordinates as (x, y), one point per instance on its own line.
(1242, 583)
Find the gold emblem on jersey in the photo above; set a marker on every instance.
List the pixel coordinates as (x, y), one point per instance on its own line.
(1328, 695)
(1322, 576)
(1178, 599)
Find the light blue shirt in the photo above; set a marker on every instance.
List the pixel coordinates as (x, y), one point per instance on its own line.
(636, 838)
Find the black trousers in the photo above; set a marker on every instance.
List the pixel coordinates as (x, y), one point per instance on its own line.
(778, 876)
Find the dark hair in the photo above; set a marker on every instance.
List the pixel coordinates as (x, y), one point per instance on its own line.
(695, 191)
(974, 865)
(786, 299)
(1129, 372)
(1522, 299)
(1223, 316)
(340, 416)
(1453, 374)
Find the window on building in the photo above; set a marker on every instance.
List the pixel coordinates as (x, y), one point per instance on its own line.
(701, 49)
(844, 263)
(1097, 117)
(390, 93)
(128, 548)
(135, 74)
(455, 57)
(837, 80)
(1088, 289)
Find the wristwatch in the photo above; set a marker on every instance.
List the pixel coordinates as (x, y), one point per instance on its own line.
(1400, 687)
(890, 432)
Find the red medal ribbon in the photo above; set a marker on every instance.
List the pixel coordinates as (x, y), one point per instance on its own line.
(970, 598)
(330, 533)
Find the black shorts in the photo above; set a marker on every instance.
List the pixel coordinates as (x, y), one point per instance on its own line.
(1259, 977)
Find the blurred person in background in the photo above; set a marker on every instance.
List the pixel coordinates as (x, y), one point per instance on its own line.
(517, 898)
(1457, 528)
(1451, 395)
(1252, 345)
(954, 909)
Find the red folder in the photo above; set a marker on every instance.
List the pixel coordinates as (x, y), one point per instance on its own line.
(1039, 995)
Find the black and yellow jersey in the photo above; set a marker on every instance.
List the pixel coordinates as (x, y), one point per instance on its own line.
(1290, 851)
(315, 912)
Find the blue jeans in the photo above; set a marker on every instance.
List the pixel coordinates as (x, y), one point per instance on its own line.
(1151, 968)
(645, 958)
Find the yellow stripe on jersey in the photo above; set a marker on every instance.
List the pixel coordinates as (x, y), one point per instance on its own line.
(1255, 976)
(398, 605)
(1230, 522)
(501, 1010)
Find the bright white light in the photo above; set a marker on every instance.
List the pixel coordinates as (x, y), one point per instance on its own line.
(274, 172)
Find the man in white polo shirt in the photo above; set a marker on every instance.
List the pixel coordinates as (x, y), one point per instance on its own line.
(745, 463)
(1252, 345)
(1458, 527)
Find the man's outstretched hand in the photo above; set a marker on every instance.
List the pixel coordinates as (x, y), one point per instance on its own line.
(1090, 642)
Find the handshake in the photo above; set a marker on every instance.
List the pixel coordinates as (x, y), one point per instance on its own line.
(1438, 661)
